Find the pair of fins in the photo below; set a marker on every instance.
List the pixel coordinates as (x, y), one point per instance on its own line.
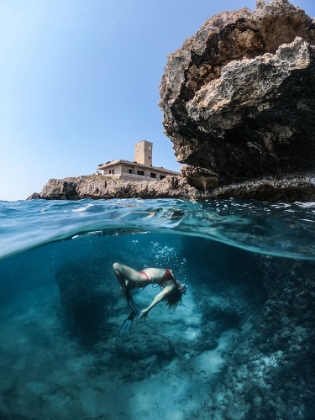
(127, 324)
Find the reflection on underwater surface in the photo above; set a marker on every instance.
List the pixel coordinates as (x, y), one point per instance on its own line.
(240, 346)
(275, 229)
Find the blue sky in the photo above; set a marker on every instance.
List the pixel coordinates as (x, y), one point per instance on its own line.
(79, 82)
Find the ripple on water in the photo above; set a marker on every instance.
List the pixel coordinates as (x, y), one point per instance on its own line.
(280, 229)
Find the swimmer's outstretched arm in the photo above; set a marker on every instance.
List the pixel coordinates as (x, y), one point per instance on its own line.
(156, 300)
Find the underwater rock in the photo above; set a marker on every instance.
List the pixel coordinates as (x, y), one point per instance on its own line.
(238, 99)
(271, 369)
(85, 299)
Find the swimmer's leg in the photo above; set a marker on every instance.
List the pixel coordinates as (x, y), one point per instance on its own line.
(133, 277)
(128, 278)
(132, 305)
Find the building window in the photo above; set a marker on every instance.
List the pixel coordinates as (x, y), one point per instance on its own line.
(113, 171)
(152, 175)
(110, 171)
(141, 173)
(162, 176)
(130, 171)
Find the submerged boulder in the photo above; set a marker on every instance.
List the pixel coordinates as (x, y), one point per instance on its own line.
(86, 300)
(238, 97)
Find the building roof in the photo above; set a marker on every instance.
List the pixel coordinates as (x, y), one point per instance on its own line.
(129, 163)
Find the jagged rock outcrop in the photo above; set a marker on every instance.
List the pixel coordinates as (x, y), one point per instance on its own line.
(300, 187)
(238, 97)
(289, 188)
(238, 100)
(97, 186)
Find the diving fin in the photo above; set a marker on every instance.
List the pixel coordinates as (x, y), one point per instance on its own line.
(127, 324)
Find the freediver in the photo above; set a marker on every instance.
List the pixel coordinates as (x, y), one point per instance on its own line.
(128, 278)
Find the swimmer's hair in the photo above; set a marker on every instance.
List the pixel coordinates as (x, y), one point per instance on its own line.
(175, 296)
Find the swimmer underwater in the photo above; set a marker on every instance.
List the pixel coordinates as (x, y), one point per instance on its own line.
(128, 278)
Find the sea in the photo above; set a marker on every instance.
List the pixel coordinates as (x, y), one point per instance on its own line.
(239, 346)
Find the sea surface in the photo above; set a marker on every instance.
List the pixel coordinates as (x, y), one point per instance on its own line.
(239, 345)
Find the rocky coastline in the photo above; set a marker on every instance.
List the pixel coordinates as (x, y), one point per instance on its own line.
(98, 187)
(238, 100)
(300, 187)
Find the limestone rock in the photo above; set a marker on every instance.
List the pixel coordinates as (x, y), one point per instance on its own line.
(34, 196)
(97, 187)
(287, 188)
(201, 177)
(238, 97)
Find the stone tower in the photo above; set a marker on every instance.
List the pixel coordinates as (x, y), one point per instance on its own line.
(143, 152)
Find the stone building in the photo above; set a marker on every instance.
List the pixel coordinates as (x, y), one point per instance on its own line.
(139, 170)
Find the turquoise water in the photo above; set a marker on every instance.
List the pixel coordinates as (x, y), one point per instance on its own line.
(227, 352)
(277, 229)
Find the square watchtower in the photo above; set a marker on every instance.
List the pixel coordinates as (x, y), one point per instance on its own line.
(143, 152)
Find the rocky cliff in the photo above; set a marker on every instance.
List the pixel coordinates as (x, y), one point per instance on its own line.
(238, 97)
(238, 100)
(97, 186)
(300, 187)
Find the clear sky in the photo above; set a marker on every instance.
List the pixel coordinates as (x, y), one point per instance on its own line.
(79, 82)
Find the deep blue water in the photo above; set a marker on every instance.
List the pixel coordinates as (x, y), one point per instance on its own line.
(61, 352)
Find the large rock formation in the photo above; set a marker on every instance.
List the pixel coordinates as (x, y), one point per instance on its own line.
(300, 187)
(239, 96)
(97, 187)
(238, 100)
